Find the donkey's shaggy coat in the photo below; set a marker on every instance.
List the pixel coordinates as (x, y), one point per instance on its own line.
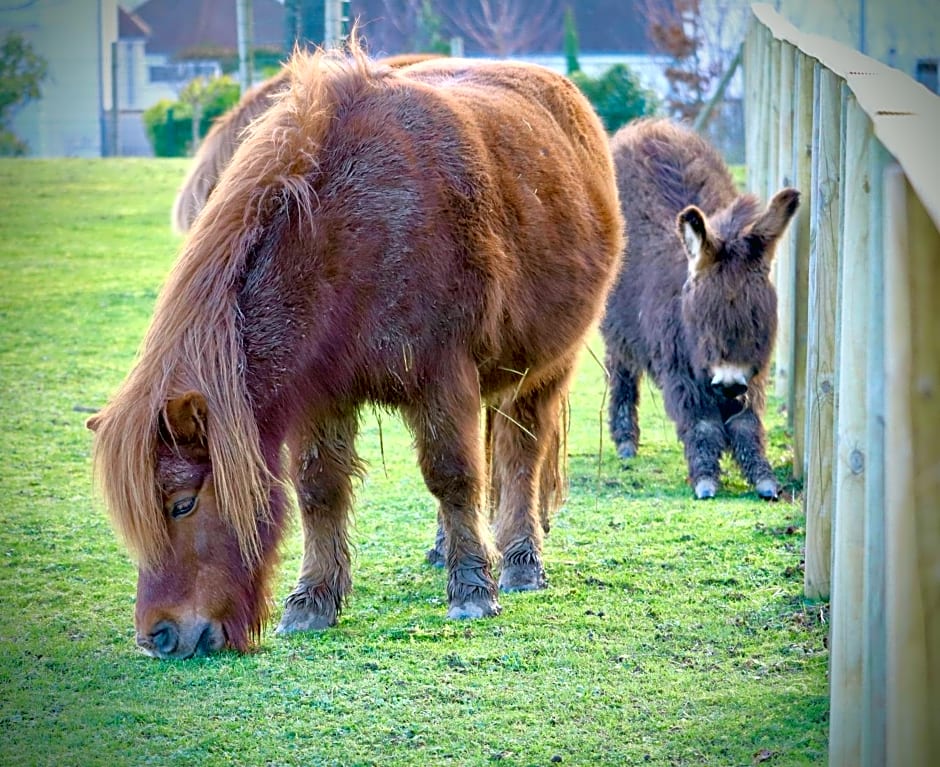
(693, 305)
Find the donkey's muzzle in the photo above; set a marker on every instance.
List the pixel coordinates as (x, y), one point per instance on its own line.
(729, 381)
(731, 390)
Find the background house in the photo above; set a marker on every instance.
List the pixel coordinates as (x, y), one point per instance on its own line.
(75, 38)
(109, 60)
(902, 33)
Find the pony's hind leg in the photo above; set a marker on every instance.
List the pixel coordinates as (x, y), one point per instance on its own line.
(526, 479)
(622, 408)
(447, 436)
(325, 464)
(437, 554)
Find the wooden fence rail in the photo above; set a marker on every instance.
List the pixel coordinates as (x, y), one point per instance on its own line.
(858, 364)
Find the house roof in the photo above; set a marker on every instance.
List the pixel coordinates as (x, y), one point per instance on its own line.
(180, 25)
(130, 25)
(603, 26)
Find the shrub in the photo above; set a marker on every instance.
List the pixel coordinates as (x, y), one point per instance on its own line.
(169, 124)
(617, 95)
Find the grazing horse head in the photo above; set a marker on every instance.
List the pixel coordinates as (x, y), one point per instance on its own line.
(202, 584)
(729, 304)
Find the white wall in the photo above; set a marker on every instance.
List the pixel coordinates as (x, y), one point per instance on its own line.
(74, 36)
(896, 32)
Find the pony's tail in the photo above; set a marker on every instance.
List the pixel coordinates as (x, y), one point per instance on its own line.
(553, 478)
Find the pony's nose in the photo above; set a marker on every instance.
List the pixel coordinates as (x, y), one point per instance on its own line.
(164, 638)
(729, 390)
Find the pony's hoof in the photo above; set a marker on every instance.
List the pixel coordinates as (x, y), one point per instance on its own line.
(705, 488)
(292, 622)
(522, 577)
(471, 609)
(767, 489)
(308, 609)
(626, 450)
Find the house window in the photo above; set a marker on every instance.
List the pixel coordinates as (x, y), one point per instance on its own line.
(183, 71)
(926, 73)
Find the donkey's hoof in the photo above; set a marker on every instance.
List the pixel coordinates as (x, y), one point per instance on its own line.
(767, 489)
(473, 609)
(627, 450)
(705, 488)
(529, 576)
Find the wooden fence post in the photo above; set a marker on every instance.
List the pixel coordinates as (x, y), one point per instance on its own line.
(912, 485)
(768, 181)
(846, 637)
(801, 161)
(822, 324)
(785, 265)
(874, 632)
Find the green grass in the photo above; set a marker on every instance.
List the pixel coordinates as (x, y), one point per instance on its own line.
(673, 632)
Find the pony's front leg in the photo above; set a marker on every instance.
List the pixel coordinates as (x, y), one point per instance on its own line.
(526, 479)
(447, 435)
(324, 467)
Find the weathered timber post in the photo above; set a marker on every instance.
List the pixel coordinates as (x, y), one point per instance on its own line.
(802, 162)
(825, 201)
(848, 525)
(912, 484)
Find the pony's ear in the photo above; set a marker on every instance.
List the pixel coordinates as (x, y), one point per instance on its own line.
(699, 242)
(185, 417)
(773, 221)
(93, 421)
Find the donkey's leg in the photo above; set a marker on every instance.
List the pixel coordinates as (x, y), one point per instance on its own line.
(447, 435)
(704, 444)
(698, 422)
(749, 447)
(325, 464)
(525, 447)
(622, 408)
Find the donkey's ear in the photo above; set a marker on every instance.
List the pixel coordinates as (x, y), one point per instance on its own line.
(185, 417)
(698, 240)
(773, 221)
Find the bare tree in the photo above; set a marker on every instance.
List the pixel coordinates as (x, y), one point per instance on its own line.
(504, 27)
(701, 37)
(406, 26)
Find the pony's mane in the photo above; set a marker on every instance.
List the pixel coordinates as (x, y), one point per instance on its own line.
(217, 148)
(194, 341)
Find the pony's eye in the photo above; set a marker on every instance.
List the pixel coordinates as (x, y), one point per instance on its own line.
(182, 507)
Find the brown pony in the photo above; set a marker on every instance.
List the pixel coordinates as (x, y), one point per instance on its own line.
(694, 305)
(430, 238)
(226, 134)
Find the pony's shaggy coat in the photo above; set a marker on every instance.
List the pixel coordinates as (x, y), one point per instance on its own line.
(219, 144)
(693, 305)
(429, 238)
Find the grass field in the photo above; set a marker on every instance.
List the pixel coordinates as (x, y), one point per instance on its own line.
(673, 632)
